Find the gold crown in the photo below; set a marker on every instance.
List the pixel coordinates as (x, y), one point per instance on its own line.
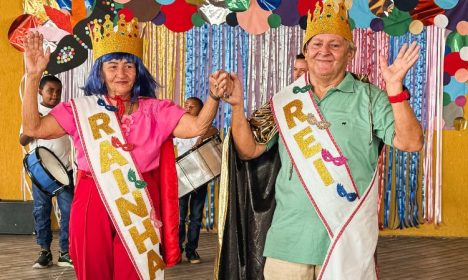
(332, 18)
(126, 39)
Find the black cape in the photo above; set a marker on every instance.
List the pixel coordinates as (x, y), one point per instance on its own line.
(251, 203)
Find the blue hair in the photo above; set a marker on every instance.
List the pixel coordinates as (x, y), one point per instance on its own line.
(144, 85)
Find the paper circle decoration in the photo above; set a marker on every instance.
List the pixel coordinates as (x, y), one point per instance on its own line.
(197, 20)
(446, 79)
(164, 2)
(179, 15)
(464, 53)
(159, 19)
(144, 10)
(460, 101)
(274, 20)
(361, 14)
(127, 13)
(416, 27)
(446, 100)
(288, 12)
(461, 75)
(377, 24)
(441, 21)
(453, 62)
(231, 19)
(446, 4)
(462, 27)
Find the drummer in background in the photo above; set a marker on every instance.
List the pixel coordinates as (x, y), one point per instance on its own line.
(196, 199)
(50, 88)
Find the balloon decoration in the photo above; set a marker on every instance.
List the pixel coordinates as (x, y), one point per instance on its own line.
(397, 16)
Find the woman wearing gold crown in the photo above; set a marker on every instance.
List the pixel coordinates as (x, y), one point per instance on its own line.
(124, 218)
(310, 205)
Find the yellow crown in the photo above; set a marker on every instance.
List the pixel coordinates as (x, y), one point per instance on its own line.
(332, 19)
(125, 39)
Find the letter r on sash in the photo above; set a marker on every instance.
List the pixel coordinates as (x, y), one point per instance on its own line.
(104, 124)
(294, 109)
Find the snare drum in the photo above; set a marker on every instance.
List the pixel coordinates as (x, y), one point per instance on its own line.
(199, 165)
(46, 171)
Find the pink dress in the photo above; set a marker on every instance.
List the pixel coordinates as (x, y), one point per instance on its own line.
(95, 247)
(146, 129)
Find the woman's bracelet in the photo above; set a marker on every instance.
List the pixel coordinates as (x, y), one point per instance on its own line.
(217, 98)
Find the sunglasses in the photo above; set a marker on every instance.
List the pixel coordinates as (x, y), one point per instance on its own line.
(343, 193)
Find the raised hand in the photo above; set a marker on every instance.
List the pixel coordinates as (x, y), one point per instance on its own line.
(35, 58)
(227, 86)
(395, 73)
(236, 96)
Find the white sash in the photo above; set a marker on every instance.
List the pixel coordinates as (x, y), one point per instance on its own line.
(351, 224)
(127, 200)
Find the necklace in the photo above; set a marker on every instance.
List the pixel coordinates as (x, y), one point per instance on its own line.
(130, 109)
(121, 105)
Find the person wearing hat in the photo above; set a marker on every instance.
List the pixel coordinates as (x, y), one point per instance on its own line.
(313, 213)
(124, 216)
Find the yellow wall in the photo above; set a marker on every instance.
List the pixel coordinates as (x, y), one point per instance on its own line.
(454, 189)
(10, 109)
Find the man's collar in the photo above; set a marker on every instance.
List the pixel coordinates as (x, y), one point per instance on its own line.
(347, 84)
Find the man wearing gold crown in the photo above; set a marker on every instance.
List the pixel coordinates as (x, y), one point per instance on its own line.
(313, 212)
(124, 217)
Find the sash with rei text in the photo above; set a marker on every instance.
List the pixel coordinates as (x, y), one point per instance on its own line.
(349, 218)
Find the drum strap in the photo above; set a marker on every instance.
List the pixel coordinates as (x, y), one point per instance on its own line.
(120, 185)
(350, 219)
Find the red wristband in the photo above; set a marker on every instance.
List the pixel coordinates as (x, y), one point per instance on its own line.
(402, 96)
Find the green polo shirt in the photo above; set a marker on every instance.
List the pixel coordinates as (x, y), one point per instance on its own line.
(296, 233)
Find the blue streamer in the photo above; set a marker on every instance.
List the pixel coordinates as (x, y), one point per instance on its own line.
(224, 47)
(417, 86)
(388, 188)
(407, 165)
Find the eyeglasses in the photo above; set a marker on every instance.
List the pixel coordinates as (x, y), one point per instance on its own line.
(343, 193)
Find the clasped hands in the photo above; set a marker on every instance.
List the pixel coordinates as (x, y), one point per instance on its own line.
(221, 85)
